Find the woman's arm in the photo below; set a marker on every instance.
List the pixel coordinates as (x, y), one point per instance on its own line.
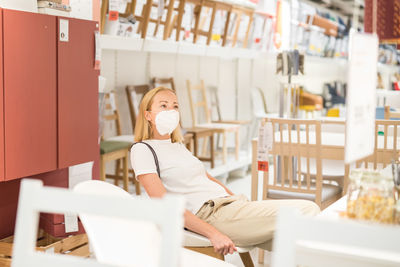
(221, 184)
(222, 244)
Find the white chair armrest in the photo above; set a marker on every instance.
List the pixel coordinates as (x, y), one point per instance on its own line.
(192, 239)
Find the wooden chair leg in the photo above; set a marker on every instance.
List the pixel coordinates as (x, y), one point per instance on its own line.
(167, 24)
(246, 38)
(197, 15)
(209, 251)
(195, 144)
(137, 187)
(210, 30)
(117, 171)
(104, 8)
(125, 170)
(181, 11)
(224, 148)
(212, 154)
(246, 259)
(260, 256)
(237, 144)
(237, 26)
(204, 149)
(102, 169)
(225, 37)
(146, 18)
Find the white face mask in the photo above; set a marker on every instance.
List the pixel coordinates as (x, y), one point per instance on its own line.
(167, 121)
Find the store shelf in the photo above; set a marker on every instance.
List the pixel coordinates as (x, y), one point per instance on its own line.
(109, 42)
(192, 49)
(154, 45)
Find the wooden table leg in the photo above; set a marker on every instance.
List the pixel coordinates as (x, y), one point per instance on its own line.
(195, 140)
(225, 37)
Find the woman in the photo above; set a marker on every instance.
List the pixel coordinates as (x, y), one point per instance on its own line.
(212, 209)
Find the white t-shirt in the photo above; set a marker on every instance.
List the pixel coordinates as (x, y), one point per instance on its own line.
(181, 172)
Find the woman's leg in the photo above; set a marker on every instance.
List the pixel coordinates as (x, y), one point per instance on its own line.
(250, 222)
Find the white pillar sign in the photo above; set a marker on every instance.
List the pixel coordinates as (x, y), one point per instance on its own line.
(361, 96)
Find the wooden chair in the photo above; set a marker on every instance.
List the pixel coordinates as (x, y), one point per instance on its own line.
(289, 149)
(201, 7)
(116, 148)
(144, 19)
(391, 114)
(386, 147)
(219, 128)
(239, 9)
(168, 82)
(314, 242)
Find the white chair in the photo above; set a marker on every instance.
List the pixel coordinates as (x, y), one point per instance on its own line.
(307, 241)
(146, 234)
(166, 213)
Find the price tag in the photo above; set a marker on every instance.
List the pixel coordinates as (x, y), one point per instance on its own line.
(264, 145)
(113, 7)
(97, 57)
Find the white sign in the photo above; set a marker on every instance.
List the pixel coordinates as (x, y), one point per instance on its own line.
(361, 96)
(76, 174)
(264, 141)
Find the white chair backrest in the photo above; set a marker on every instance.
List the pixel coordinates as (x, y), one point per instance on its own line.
(258, 103)
(307, 241)
(108, 204)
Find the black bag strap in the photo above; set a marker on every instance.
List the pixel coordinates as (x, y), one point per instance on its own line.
(154, 155)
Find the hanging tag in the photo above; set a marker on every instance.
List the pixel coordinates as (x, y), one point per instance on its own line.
(97, 47)
(264, 145)
(71, 222)
(112, 102)
(113, 7)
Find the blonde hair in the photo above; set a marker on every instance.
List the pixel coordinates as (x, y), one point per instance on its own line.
(143, 130)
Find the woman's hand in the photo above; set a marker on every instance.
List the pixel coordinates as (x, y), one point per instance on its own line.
(222, 244)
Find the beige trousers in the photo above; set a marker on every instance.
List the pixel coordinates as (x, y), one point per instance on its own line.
(247, 222)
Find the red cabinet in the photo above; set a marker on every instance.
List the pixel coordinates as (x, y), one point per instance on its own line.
(1, 104)
(48, 94)
(30, 93)
(77, 94)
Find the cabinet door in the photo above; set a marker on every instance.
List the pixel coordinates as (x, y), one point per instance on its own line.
(30, 93)
(1, 101)
(77, 94)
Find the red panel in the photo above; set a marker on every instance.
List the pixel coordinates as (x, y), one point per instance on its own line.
(1, 101)
(58, 230)
(29, 93)
(77, 95)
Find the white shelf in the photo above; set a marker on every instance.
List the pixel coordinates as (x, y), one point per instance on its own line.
(154, 45)
(109, 42)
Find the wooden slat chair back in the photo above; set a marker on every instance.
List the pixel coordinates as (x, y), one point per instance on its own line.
(386, 146)
(166, 82)
(295, 141)
(134, 94)
(218, 127)
(202, 104)
(111, 111)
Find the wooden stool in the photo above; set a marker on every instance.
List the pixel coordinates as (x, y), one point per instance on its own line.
(245, 8)
(145, 19)
(199, 21)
